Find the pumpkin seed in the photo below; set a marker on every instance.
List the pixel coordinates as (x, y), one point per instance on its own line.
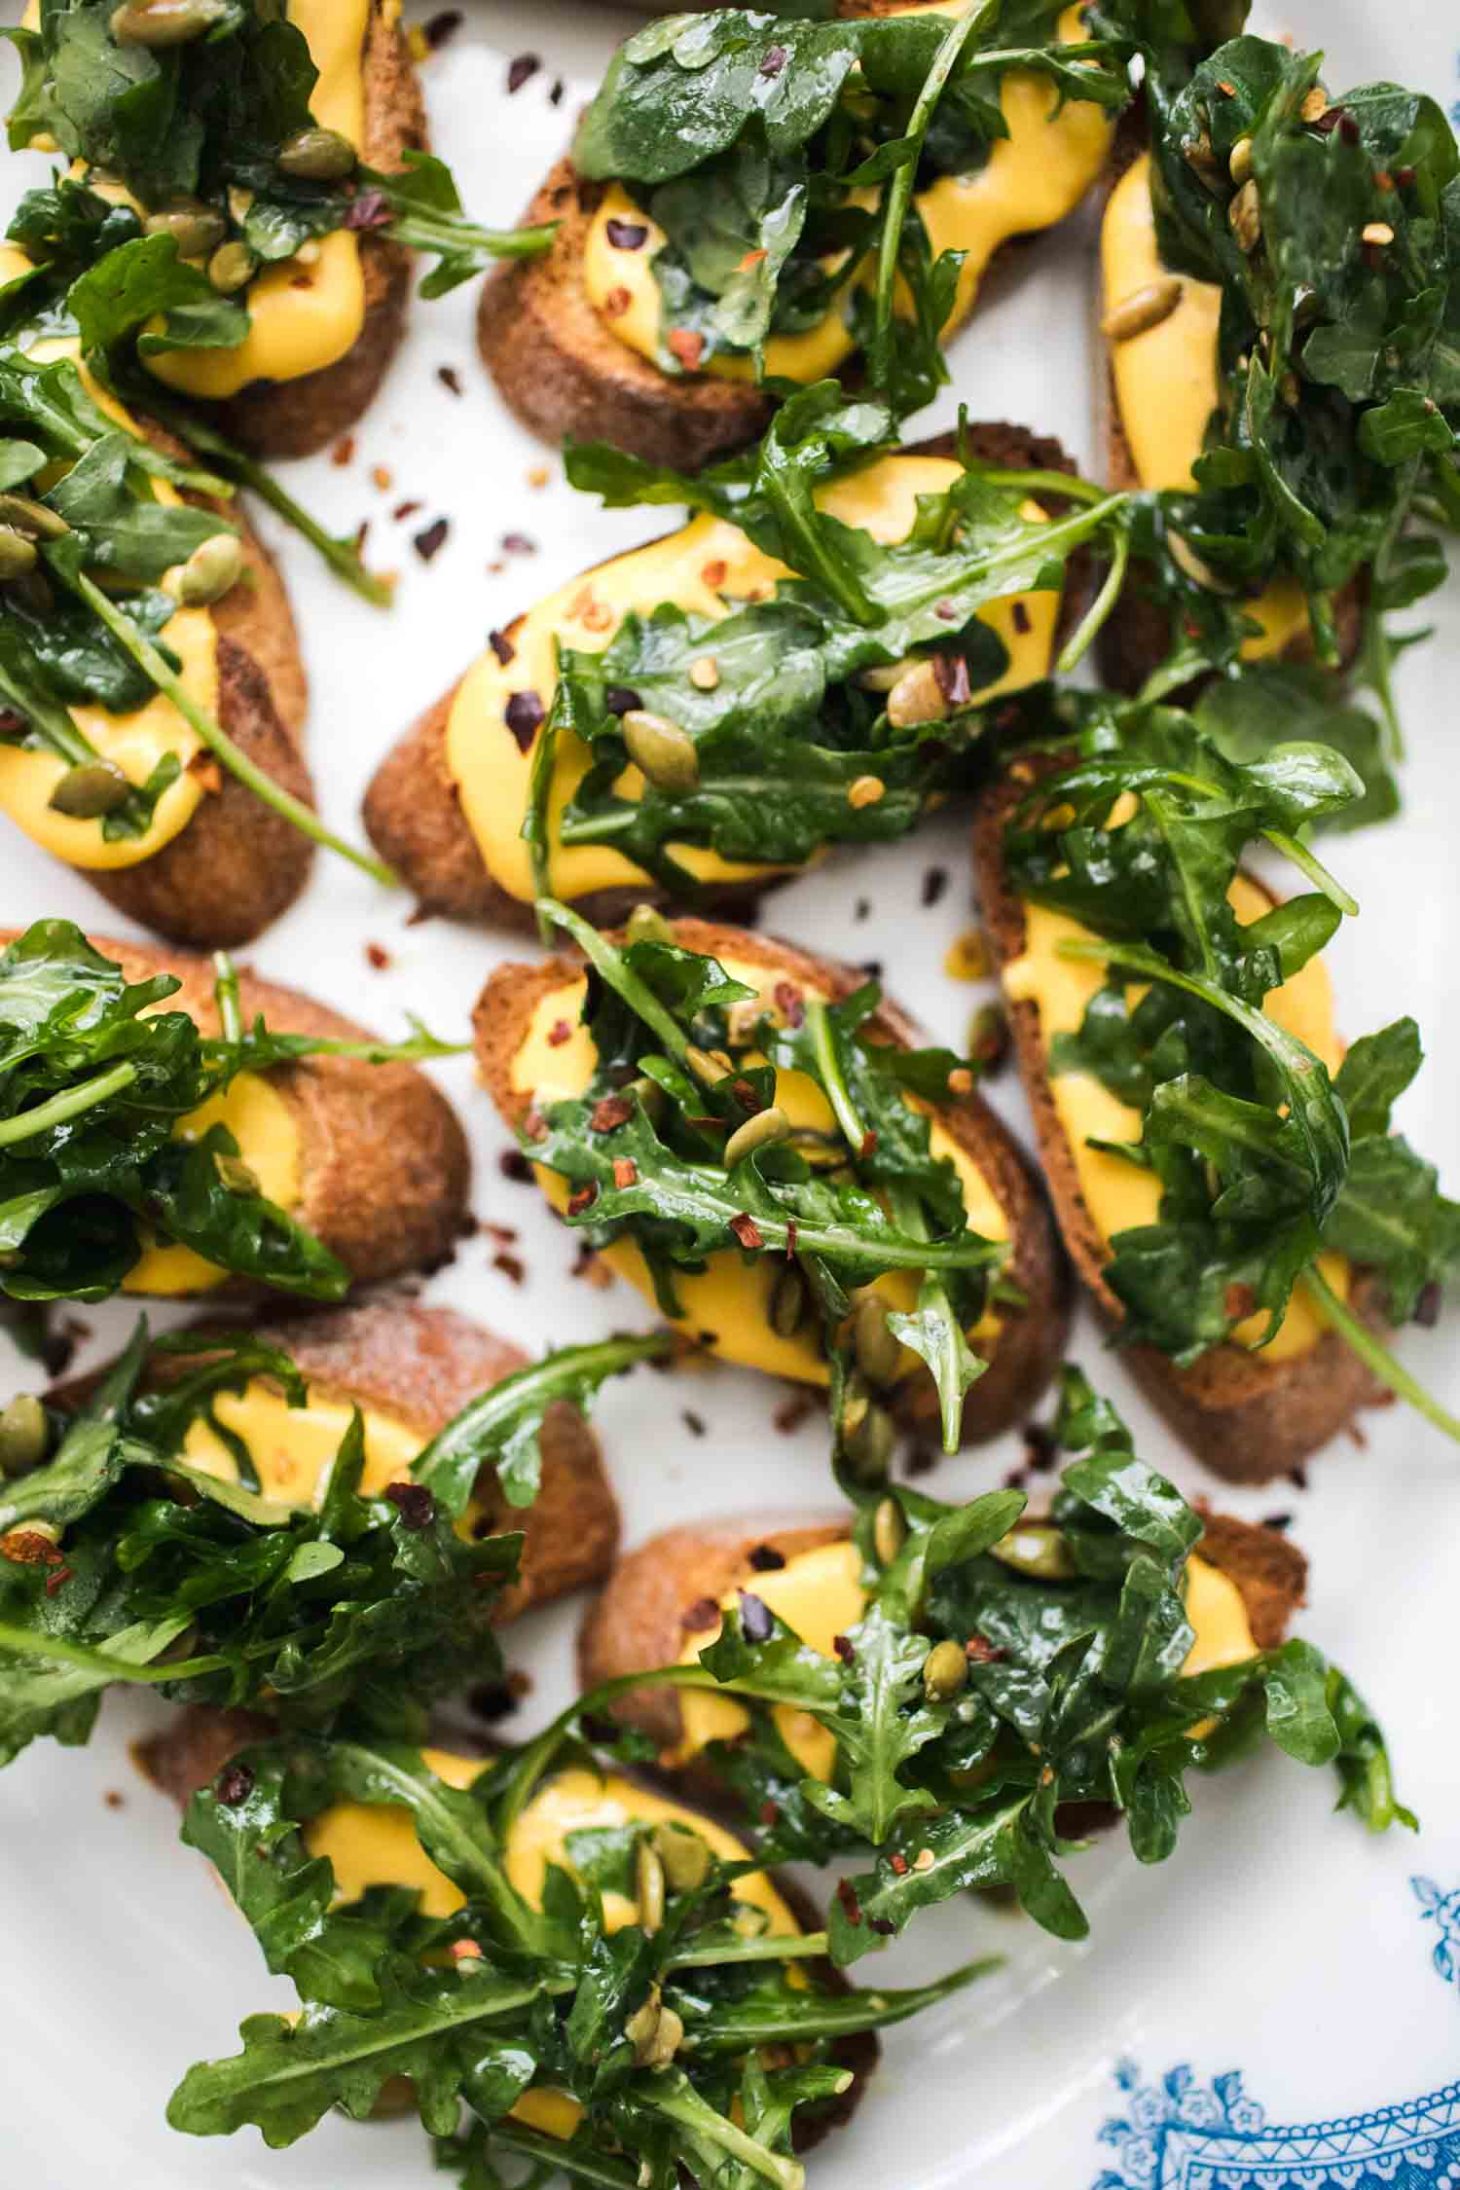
(32, 518)
(757, 1132)
(317, 155)
(889, 1531)
(1037, 1549)
(1142, 309)
(1239, 160)
(661, 750)
(649, 1887)
(870, 1445)
(235, 1176)
(685, 1857)
(1245, 215)
(165, 22)
(878, 1352)
(231, 267)
(213, 569)
(788, 1302)
(24, 1434)
(646, 925)
(90, 790)
(916, 697)
(195, 229)
(17, 554)
(945, 1672)
(655, 2032)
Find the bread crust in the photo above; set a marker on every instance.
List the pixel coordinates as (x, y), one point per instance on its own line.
(1248, 1418)
(1031, 1338)
(412, 809)
(384, 1167)
(1135, 639)
(298, 417)
(421, 1366)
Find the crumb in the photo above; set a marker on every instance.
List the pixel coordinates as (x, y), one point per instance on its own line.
(919, 1460)
(344, 449)
(450, 379)
(1278, 1521)
(967, 958)
(517, 543)
(403, 510)
(377, 955)
(114, 1798)
(383, 477)
(694, 1423)
(432, 540)
(538, 476)
(792, 1412)
(555, 96)
(512, 1267)
(935, 882)
(438, 28)
(862, 908)
(519, 71)
(514, 1165)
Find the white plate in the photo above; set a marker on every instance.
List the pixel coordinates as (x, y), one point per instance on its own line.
(1279, 1941)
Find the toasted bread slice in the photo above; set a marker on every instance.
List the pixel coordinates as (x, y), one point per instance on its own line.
(1248, 1418)
(563, 372)
(298, 417)
(383, 1162)
(642, 1619)
(1030, 1338)
(1136, 638)
(413, 813)
(198, 1741)
(421, 1366)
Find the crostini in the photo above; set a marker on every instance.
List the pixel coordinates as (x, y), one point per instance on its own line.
(411, 1370)
(1244, 1266)
(295, 291)
(697, 719)
(107, 548)
(157, 1102)
(1295, 431)
(635, 328)
(880, 1682)
(549, 1857)
(728, 1188)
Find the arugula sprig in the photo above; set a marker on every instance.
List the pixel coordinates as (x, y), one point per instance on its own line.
(1265, 1160)
(667, 2035)
(841, 706)
(1328, 222)
(686, 1060)
(777, 157)
(95, 1082)
(122, 1562)
(1065, 1640)
(85, 621)
(214, 126)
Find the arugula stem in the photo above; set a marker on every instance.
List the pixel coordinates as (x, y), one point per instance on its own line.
(900, 189)
(1304, 860)
(226, 999)
(1376, 1356)
(558, 2157)
(70, 1103)
(149, 659)
(608, 962)
(1081, 638)
(27, 1642)
(833, 1079)
(1068, 484)
(760, 1947)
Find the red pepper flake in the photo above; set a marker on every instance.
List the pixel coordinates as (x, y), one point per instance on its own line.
(769, 1813)
(617, 302)
(534, 1124)
(714, 575)
(844, 1648)
(747, 1231)
(523, 716)
(430, 542)
(792, 1412)
(559, 1032)
(233, 1785)
(687, 346)
(1228, 91)
(413, 1502)
(511, 1266)
(403, 510)
(517, 543)
(368, 210)
(1348, 128)
(898, 1865)
(702, 1615)
(950, 674)
(626, 235)
(1403, 177)
(791, 1240)
(745, 1095)
(450, 379)
(343, 451)
(625, 1171)
(789, 1002)
(377, 955)
(1239, 1301)
(751, 260)
(519, 71)
(869, 1145)
(29, 1547)
(1022, 622)
(851, 1907)
(581, 1198)
(438, 28)
(610, 1112)
(57, 1579)
(772, 61)
(207, 773)
(980, 1651)
(765, 1559)
(946, 611)
(301, 281)
(502, 647)
(1383, 179)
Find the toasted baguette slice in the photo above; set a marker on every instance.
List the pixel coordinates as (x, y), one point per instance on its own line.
(1248, 1418)
(413, 813)
(384, 1167)
(1030, 1341)
(567, 377)
(298, 417)
(1136, 639)
(640, 1621)
(198, 1741)
(421, 1366)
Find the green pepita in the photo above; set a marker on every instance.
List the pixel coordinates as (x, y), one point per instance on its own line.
(870, 1445)
(317, 155)
(788, 1302)
(646, 924)
(757, 1132)
(1038, 1549)
(231, 267)
(685, 1857)
(24, 1434)
(649, 1887)
(235, 1176)
(90, 790)
(213, 569)
(889, 1531)
(165, 22)
(17, 554)
(663, 752)
(945, 1672)
(195, 229)
(32, 518)
(878, 1352)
